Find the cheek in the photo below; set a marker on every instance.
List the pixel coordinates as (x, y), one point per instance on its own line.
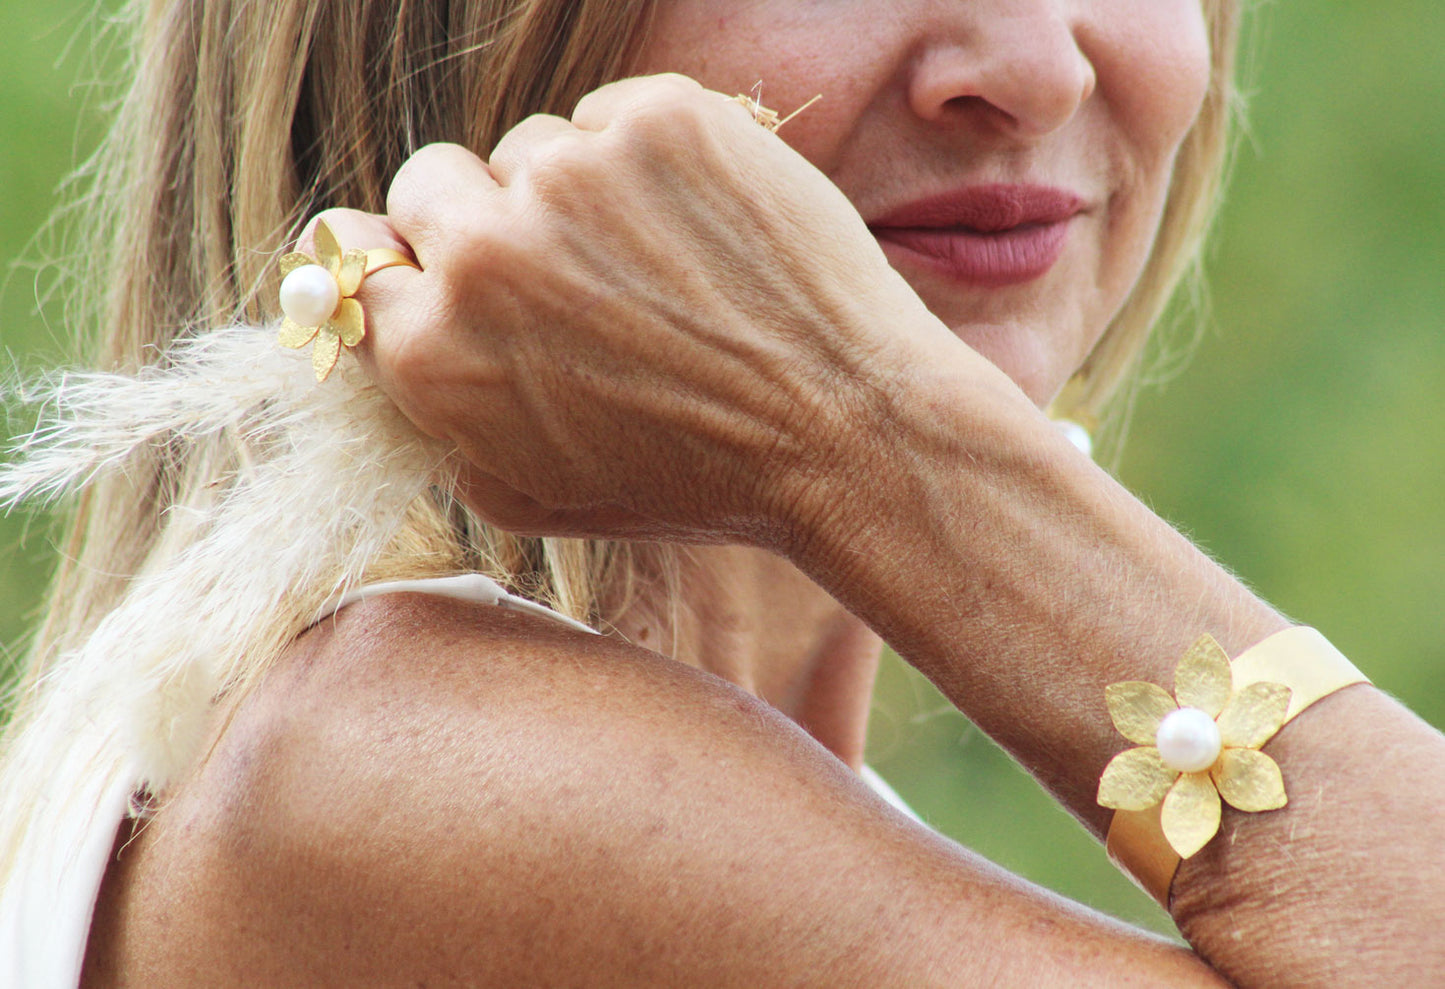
(785, 52)
(1152, 58)
(717, 42)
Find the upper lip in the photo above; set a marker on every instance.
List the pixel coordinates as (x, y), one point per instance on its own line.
(985, 208)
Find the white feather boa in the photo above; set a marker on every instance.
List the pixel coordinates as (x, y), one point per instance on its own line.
(330, 473)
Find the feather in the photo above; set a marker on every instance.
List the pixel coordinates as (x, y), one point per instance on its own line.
(329, 475)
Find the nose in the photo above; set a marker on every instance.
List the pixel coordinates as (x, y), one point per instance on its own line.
(1020, 67)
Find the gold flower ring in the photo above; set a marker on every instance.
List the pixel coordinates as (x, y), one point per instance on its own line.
(317, 296)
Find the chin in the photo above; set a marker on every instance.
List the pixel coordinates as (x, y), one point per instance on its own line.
(1030, 359)
(1039, 346)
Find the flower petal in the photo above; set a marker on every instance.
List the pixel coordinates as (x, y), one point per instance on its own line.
(290, 262)
(1135, 779)
(353, 270)
(328, 249)
(1249, 780)
(1190, 816)
(294, 335)
(1253, 715)
(328, 348)
(1137, 708)
(1202, 678)
(349, 323)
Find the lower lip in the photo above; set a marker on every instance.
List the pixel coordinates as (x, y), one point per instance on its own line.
(1007, 257)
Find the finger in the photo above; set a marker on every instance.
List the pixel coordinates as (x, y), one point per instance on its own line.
(433, 189)
(353, 229)
(499, 504)
(524, 145)
(618, 100)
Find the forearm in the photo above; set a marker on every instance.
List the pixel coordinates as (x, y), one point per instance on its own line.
(1023, 581)
(1020, 578)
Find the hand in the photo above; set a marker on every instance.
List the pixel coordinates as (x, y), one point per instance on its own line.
(653, 320)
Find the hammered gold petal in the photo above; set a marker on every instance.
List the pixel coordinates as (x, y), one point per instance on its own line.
(353, 270)
(1202, 678)
(349, 323)
(1253, 715)
(323, 357)
(1135, 779)
(290, 262)
(328, 249)
(1190, 816)
(293, 334)
(1137, 708)
(1249, 780)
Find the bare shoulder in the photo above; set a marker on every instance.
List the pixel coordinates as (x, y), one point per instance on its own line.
(436, 792)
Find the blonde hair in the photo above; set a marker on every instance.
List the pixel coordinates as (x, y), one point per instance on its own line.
(242, 120)
(225, 143)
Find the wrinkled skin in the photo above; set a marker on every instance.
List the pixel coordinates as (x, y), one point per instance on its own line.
(659, 290)
(605, 349)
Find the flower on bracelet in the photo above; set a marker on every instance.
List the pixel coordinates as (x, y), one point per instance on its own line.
(316, 297)
(1195, 751)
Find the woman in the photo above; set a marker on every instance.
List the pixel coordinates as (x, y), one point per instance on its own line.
(649, 318)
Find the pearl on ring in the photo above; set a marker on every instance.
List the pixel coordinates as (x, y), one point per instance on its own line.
(1188, 740)
(309, 295)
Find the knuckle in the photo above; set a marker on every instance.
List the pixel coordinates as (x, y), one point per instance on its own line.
(636, 102)
(675, 116)
(674, 110)
(545, 164)
(409, 190)
(564, 164)
(514, 144)
(674, 85)
(538, 125)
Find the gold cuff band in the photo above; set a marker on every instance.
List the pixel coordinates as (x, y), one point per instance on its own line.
(1299, 658)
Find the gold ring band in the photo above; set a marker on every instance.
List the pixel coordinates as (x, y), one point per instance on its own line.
(378, 258)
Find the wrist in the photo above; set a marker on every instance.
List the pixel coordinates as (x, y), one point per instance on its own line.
(938, 453)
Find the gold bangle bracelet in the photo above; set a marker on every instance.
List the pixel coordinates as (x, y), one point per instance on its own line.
(1299, 659)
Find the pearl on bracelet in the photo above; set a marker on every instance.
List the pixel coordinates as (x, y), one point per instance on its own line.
(1188, 740)
(309, 295)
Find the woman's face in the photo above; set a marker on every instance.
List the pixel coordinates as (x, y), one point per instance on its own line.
(1011, 156)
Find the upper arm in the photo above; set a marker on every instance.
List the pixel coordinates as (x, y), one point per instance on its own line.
(452, 793)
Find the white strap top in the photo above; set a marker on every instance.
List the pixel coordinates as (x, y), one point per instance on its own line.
(464, 587)
(46, 908)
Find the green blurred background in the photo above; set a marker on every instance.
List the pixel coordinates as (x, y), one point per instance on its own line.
(1302, 447)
